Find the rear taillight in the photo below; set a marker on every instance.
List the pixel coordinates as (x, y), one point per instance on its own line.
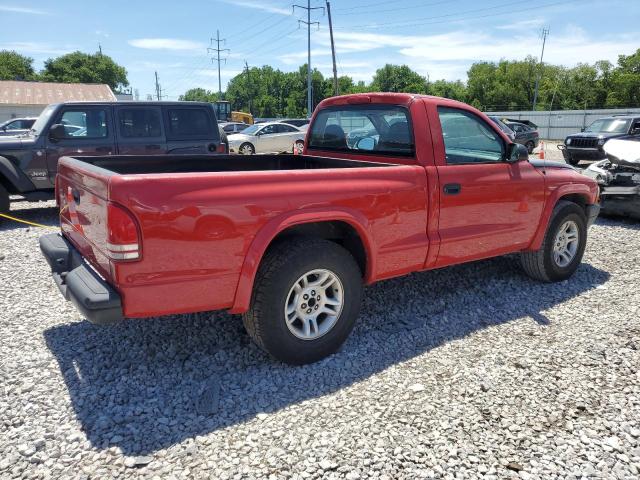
(222, 148)
(123, 240)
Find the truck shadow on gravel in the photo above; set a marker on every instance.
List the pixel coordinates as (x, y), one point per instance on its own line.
(146, 385)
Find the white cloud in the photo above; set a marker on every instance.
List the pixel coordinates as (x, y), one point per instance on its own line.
(37, 48)
(29, 11)
(449, 55)
(102, 33)
(166, 44)
(258, 5)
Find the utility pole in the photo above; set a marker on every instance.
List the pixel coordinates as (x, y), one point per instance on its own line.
(308, 23)
(246, 66)
(545, 32)
(333, 52)
(218, 59)
(100, 49)
(158, 90)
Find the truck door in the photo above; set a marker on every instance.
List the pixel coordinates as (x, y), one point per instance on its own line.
(488, 206)
(139, 130)
(85, 131)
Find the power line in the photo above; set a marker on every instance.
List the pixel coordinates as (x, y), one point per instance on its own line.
(218, 50)
(308, 23)
(503, 6)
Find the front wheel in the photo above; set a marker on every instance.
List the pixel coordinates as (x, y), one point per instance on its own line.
(563, 246)
(530, 146)
(306, 299)
(4, 200)
(247, 149)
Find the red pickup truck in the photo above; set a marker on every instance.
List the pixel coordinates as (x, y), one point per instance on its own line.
(388, 184)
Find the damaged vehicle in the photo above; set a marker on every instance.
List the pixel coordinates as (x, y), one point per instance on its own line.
(619, 177)
(589, 144)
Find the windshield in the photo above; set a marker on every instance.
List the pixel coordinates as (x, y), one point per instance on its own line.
(42, 120)
(609, 125)
(251, 130)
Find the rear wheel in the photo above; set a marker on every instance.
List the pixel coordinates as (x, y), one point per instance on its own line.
(563, 246)
(247, 149)
(298, 147)
(4, 200)
(305, 301)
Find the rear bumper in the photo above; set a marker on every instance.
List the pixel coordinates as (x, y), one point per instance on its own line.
(98, 301)
(592, 213)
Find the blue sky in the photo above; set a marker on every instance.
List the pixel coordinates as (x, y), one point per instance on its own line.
(437, 38)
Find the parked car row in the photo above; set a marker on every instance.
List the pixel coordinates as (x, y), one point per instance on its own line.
(518, 131)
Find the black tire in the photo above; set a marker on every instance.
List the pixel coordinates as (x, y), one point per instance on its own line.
(280, 269)
(541, 265)
(571, 160)
(530, 146)
(249, 147)
(4, 200)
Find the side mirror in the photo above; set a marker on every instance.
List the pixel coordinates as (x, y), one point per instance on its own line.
(57, 132)
(366, 143)
(517, 153)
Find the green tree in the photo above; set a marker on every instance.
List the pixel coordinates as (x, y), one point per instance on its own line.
(199, 95)
(398, 78)
(78, 67)
(454, 90)
(625, 82)
(14, 66)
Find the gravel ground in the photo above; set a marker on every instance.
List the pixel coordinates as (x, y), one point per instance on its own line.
(472, 371)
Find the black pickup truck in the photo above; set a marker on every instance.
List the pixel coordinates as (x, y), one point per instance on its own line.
(28, 163)
(588, 144)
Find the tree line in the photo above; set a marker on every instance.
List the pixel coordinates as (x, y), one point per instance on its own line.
(490, 86)
(76, 67)
(269, 92)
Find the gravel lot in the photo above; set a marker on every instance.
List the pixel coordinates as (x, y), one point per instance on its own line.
(473, 371)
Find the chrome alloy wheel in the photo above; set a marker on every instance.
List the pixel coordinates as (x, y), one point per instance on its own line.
(565, 245)
(314, 304)
(246, 150)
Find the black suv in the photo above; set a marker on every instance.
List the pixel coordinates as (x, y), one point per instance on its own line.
(588, 144)
(28, 163)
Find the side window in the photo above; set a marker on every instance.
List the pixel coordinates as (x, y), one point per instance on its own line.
(228, 128)
(84, 123)
(139, 122)
(269, 129)
(15, 125)
(467, 139)
(286, 129)
(635, 127)
(189, 122)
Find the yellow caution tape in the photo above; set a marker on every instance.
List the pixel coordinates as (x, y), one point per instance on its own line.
(33, 224)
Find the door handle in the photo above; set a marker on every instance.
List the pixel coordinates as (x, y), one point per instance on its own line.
(452, 189)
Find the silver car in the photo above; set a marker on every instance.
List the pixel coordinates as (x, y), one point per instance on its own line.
(270, 137)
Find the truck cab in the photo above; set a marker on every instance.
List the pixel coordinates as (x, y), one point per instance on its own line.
(28, 163)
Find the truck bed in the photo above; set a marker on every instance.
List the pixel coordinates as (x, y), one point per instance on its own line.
(134, 164)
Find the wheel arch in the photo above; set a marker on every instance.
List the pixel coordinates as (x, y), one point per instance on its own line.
(349, 229)
(578, 194)
(12, 178)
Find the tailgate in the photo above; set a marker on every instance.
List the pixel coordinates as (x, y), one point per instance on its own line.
(82, 194)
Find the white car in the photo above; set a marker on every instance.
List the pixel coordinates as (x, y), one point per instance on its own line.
(270, 137)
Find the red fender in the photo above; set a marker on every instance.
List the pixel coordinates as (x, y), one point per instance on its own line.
(277, 225)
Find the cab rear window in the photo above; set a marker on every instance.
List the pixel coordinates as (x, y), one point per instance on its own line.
(376, 130)
(191, 123)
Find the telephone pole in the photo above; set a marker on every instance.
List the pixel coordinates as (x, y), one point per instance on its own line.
(333, 52)
(218, 59)
(545, 32)
(246, 66)
(308, 23)
(158, 88)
